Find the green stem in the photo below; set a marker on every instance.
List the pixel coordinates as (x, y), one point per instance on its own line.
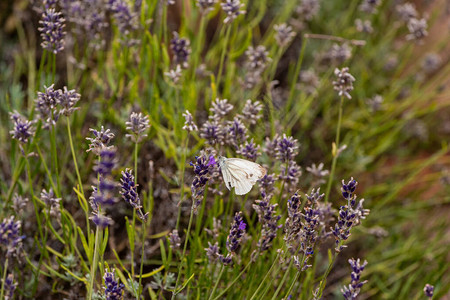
(322, 282)
(335, 151)
(280, 284)
(265, 277)
(52, 183)
(4, 278)
(297, 274)
(222, 56)
(98, 233)
(144, 231)
(55, 159)
(72, 149)
(233, 282)
(41, 67)
(217, 282)
(53, 67)
(134, 243)
(180, 266)
(135, 162)
(183, 167)
(298, 67)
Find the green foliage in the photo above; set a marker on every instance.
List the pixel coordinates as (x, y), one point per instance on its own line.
(397, 151)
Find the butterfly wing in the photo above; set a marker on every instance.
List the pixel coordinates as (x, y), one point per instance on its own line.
(241, 174)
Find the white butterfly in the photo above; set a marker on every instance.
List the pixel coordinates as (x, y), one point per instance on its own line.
(240, 173)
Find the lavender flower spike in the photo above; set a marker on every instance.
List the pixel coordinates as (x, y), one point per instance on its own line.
(138, 125)
(202, 170)
(10, 287)
(67, 101)
(189, 124)
(129, 193)
(237, 231)
(23, 129)
(232, 9)
(181, 50)
(344, 82)
(113, 289)
(428, 290)
(100, 141)
(353, 289)
(10, 238)
(52, 31)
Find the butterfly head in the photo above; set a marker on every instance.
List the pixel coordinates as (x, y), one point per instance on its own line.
(222, 160)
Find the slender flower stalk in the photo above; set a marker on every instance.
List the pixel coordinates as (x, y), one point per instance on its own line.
(335, 151)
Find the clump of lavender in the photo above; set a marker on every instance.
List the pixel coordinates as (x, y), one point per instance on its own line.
(67, 100)
(174, 240)
(10, 286)
(351, 291)
(52, 202)
(257, 61)
(369, 6)
(52, 30)
(318, 172)
(284, 34)
(417, 29)
(138, 124)
(233, 9)
(10, 238)
(251, 112)
(23, 129)
(302, 229)
(202, 170)
(237, 231)
(113, 289)
(249, 150)
(308, 9)
(269, 221)
(181, 50)
(189, 124)
(236, 132)
(88, 18)
(125, 19)
(350, 214)
(406, 11)
(100, 141)
(344, 82)
(128, 190)
(206, 5)
(104, 193)
(364, 26)
(428, 290)
(169, 2)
